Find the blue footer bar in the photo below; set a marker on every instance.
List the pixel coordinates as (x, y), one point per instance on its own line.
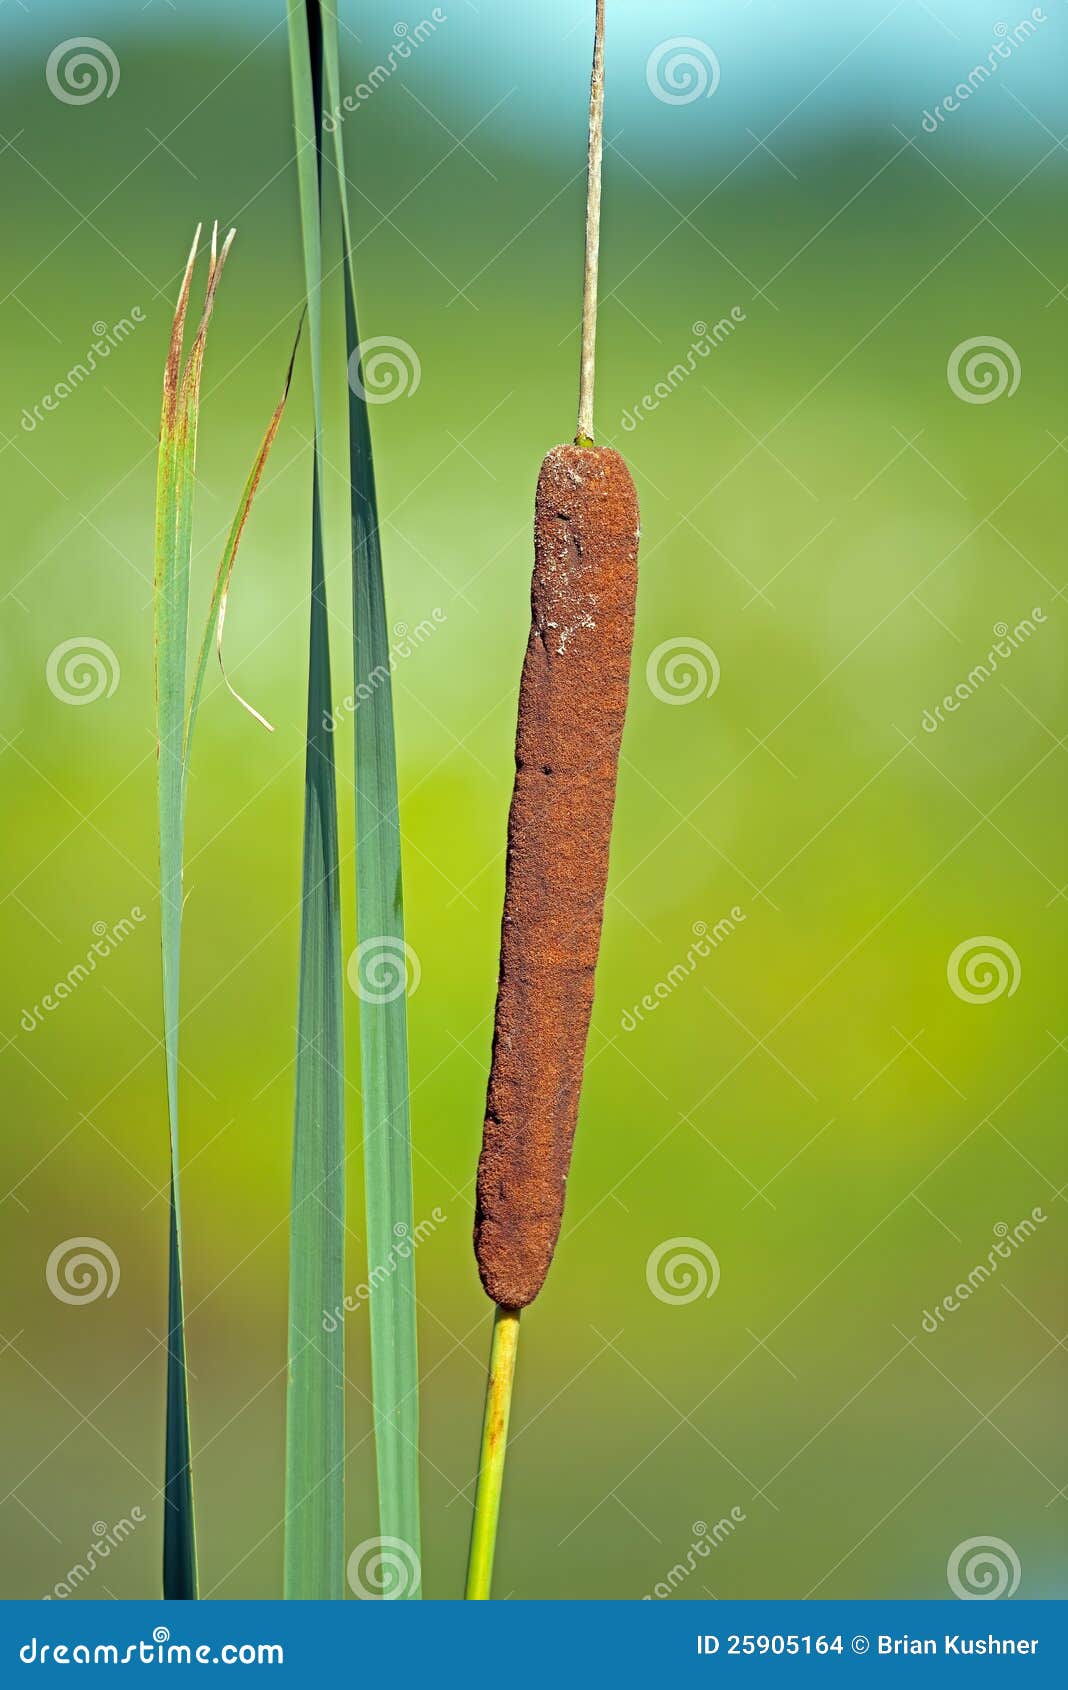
(550, 1645)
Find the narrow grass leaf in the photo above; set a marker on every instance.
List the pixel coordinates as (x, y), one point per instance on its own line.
(175, 722)
(173, 549)
(315, 1408)
(380, 934)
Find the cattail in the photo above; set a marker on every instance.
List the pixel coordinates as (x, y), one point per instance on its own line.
(572, 702)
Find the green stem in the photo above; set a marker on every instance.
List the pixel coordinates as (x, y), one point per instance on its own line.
(491, 1455)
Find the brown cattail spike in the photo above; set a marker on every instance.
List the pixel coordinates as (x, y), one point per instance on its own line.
(572, 702)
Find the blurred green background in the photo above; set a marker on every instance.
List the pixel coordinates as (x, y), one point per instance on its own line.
(812, 1103)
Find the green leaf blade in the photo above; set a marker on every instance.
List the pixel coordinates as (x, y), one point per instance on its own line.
(383, 1025)
(175, 722)
(179, 1528)
(380, 923)
(173, 544)
(315, 1405)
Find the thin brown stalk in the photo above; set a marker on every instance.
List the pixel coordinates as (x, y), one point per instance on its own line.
(584, 437)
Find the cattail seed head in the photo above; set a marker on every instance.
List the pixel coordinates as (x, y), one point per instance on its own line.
(572, 704)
